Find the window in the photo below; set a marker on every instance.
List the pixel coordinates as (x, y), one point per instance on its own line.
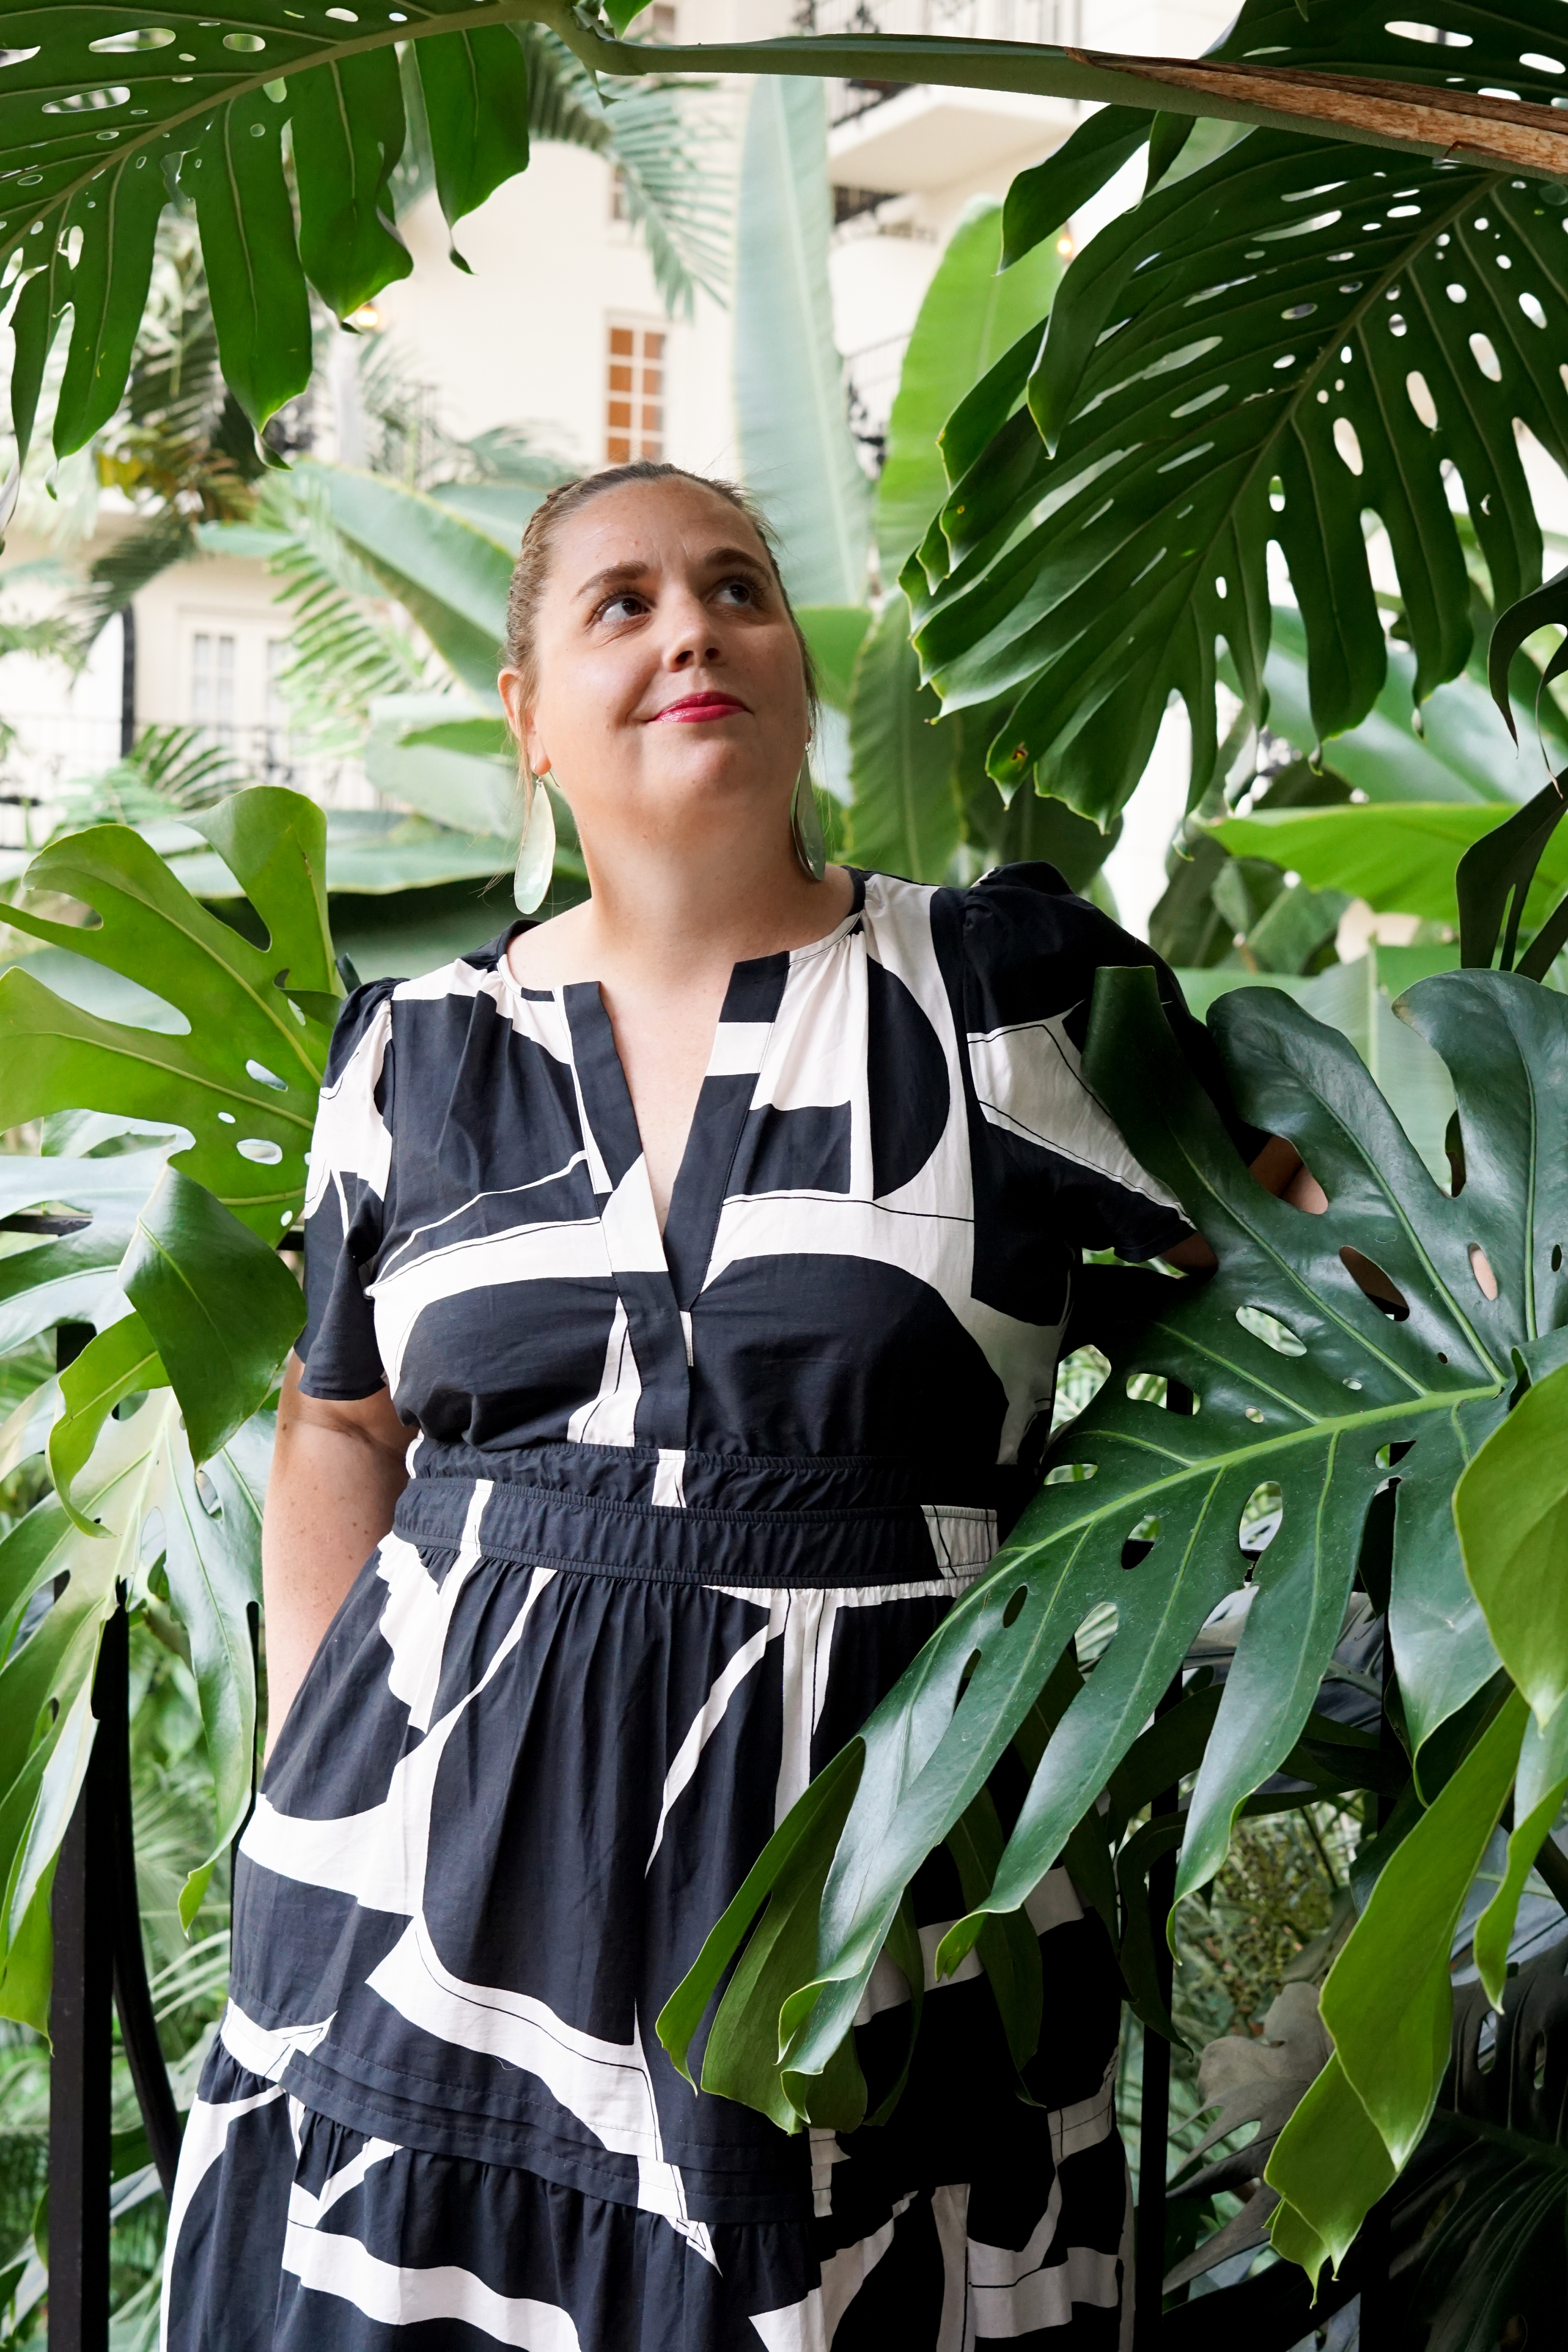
(213, 682)
(634, 404)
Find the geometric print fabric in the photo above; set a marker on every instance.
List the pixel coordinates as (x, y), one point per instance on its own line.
(683, 1507)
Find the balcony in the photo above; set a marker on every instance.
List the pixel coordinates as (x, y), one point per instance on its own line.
(898, 137)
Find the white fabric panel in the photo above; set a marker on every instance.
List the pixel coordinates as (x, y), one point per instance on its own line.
(737, 1048)
(262, 2049)
(611, 1417)
(350, 1136)
(419, 1611)
(631, 1235)
(1030, 1081)
(670, 1479)
(605, 2085)
(961, 1536)
(330, 2264)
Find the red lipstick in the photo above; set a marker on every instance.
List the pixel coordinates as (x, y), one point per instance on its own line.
(694, 708)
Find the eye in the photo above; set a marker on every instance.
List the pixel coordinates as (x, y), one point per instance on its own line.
(742, 590)
(624, 606)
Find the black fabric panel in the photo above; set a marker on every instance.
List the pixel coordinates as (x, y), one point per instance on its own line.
(908, 1090)
(604, 1082)
(791, 1331)
(702, 1180)
(804, 1151)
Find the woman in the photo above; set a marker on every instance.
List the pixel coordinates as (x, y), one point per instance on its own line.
(713, 1242)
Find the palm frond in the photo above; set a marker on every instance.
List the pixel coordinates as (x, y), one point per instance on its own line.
(665, 146)
(347, 649)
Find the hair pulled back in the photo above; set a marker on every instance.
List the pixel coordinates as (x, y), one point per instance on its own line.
(530, 575)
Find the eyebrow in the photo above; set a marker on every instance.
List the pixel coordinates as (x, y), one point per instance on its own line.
(717, 559)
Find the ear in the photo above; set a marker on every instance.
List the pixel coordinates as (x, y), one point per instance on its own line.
(520, 720)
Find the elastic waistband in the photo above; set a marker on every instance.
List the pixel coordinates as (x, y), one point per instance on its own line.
(825, 1538)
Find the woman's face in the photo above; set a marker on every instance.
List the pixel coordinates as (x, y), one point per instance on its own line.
(671, 697)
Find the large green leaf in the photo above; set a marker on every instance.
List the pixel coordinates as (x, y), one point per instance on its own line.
(1460, 753)
(1299, 1378)
(970, 316)
(791, 413)
(904, 816)
(442, 569)
(243, 1080)
(218, 1304)
(1511, 1508)
(1400, 857)
(1255, 353)
(1388, 2003)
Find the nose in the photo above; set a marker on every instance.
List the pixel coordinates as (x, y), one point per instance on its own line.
(693, 642)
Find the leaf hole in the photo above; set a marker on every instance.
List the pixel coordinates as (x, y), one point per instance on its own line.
(1421, 400)
(1395, 1451)
(1348, 442)
(1014, 1608)
(1068, 1473)
(1141, 1541)
(1260, 1516)
(1486, 358)
(1556, 1257)
(257, 1147)
(247, 42)
(150, 37)
(228, 1119)
(1254, 1413)
(1533, 310)
(208, 1495)
(1270, 1331)
(1380, 1288)
(265, 1078)
(1480, 1267)
(1538, 2064)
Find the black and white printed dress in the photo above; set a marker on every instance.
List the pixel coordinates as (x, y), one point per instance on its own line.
(682, 1510)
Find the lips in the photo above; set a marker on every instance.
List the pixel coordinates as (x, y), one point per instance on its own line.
(691, 709)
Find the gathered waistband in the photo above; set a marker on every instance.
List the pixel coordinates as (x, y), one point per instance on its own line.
(727, 1520)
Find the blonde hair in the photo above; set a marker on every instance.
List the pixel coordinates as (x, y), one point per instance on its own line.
(530, 573)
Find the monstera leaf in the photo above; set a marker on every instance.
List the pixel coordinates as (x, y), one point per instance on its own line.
(242, 1081)
(1330, 1357)
(1292, 336)
(84, 193)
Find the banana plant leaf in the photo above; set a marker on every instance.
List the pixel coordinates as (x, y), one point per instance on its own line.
(792, 416)
(904, 815)
(1400, 857)
(1299, 1378)
(1461, 753)
(972, 313)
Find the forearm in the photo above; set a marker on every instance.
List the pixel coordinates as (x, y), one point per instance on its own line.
(337, 1474)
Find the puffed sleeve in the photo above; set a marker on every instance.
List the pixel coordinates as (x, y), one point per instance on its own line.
(1031, 951)
(345, 1199)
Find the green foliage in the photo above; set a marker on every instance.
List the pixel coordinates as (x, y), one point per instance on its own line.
(1266, 348)
(905, 816)
(791, 407)
(289, 158)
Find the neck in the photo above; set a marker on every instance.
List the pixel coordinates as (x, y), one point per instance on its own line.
(676, 909)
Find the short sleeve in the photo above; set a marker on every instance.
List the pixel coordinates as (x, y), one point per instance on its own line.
(345, 1201)
(1031, 951)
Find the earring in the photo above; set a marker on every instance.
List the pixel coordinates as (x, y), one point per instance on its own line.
(536, 850)
(806, 827)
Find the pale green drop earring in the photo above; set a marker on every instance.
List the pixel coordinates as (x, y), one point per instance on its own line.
(536, 850)
(806, 827)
